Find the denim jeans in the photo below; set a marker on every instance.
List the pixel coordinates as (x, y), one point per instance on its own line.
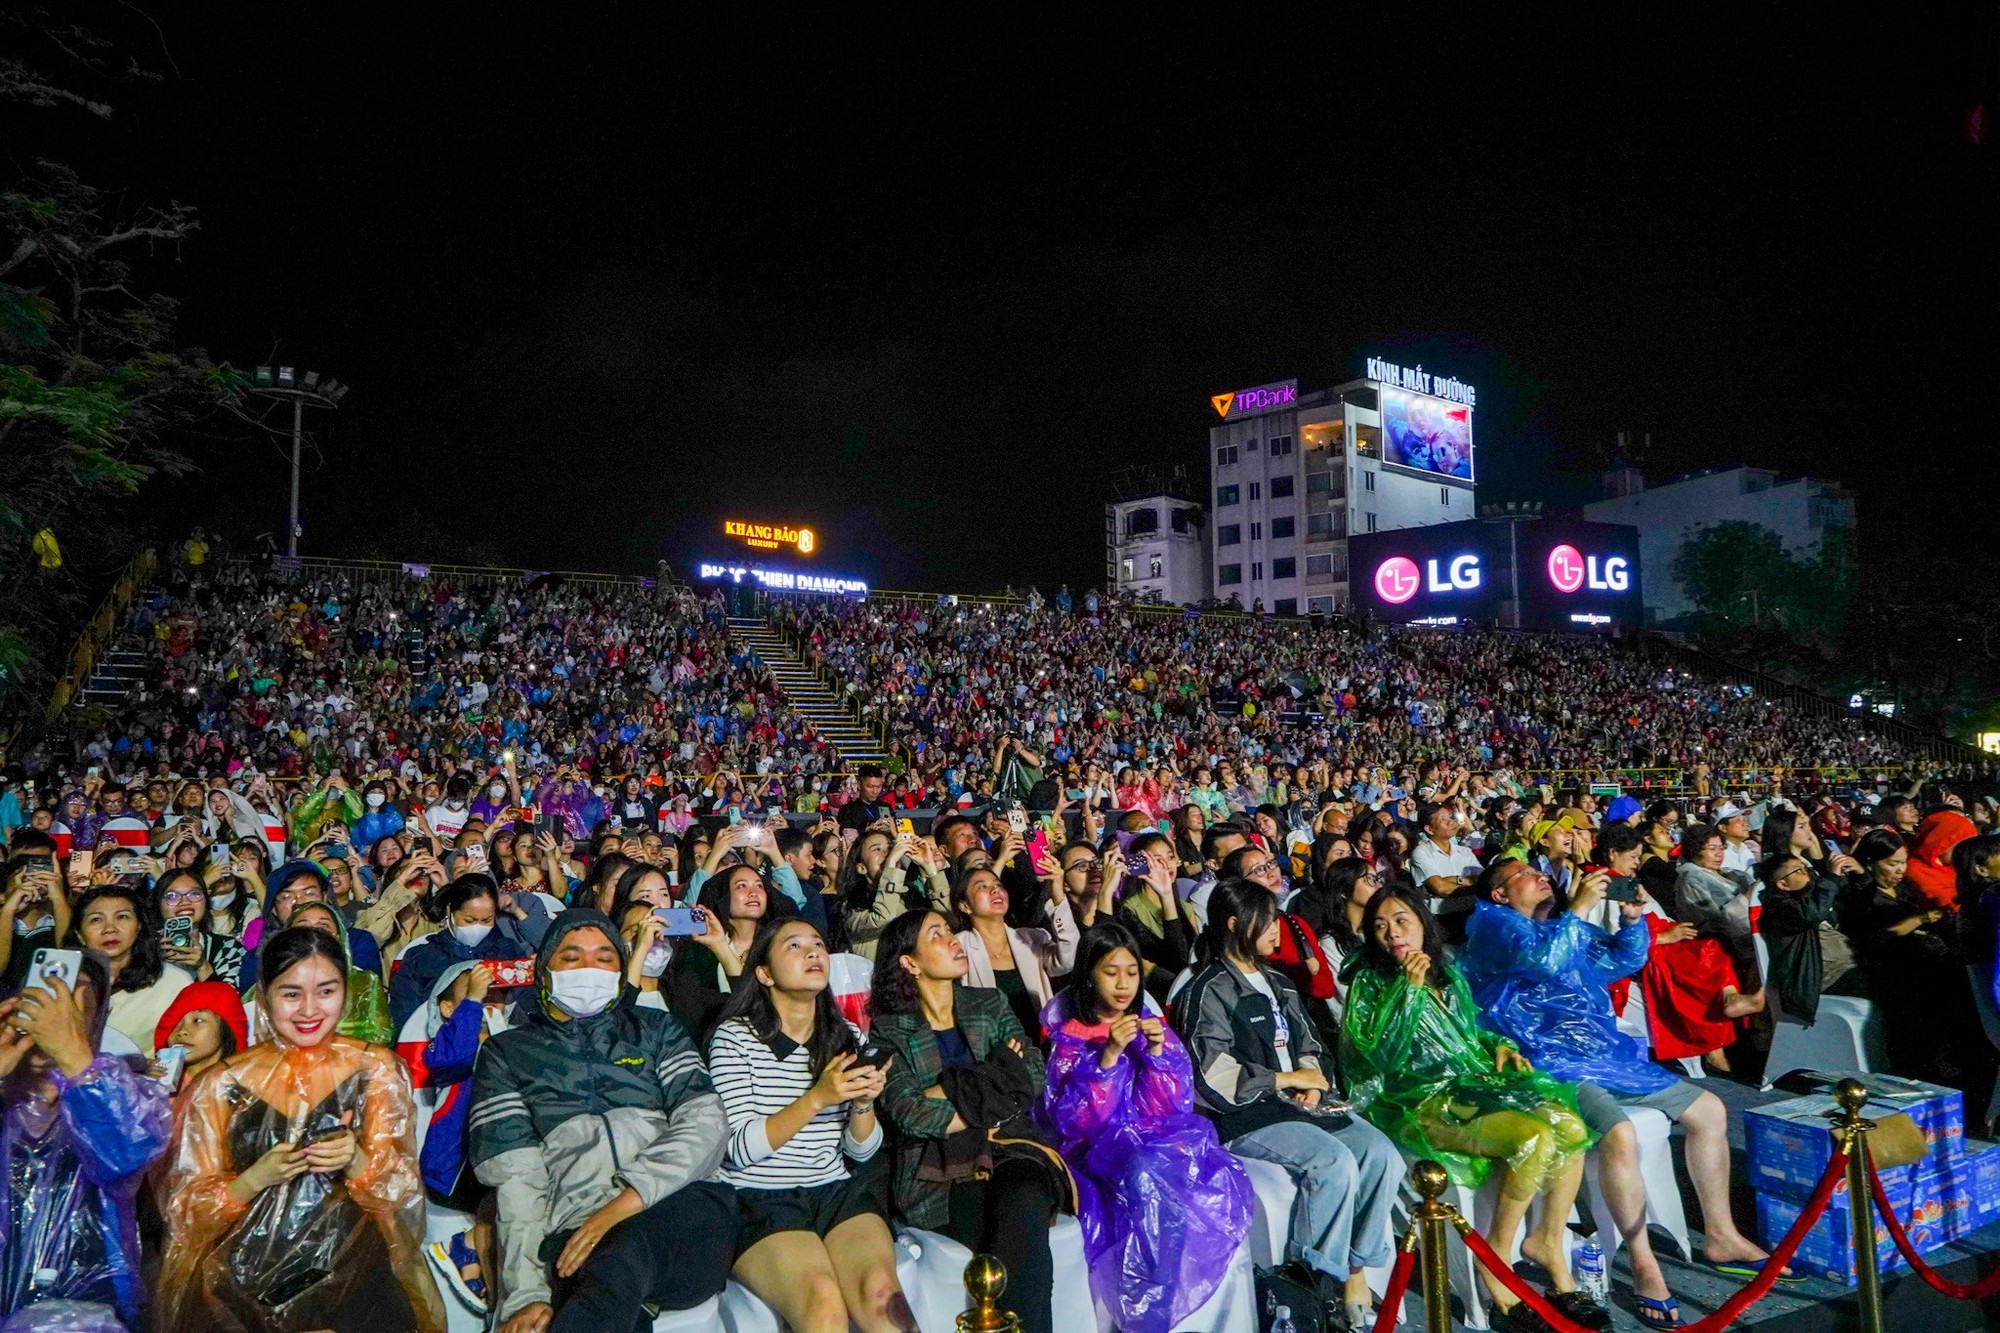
(1347, 1181)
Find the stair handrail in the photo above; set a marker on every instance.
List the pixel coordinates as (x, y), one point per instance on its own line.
(102, 627)
(877, 727)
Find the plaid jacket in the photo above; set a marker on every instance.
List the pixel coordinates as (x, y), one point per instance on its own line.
(986, 1022)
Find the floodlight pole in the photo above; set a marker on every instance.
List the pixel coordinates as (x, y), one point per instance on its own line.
(298, 433)
(305, 389)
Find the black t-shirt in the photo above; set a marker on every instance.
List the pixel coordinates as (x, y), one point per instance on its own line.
(859, 814)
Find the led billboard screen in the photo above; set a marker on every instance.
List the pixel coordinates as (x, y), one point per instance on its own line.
(1427, 434)
(1580, 576)
(1444, 574)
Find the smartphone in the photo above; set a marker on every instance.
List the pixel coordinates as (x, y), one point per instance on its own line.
(510, 971)
(178, 931)
(1017, 819)
(475, 856)
(733, 815)
(1038, 850)
(1622, 889)
(172, 1061)
(551, 824)
(873, 1055)
(79, 866)
(681, 922)
(218, 854)
(424, 845)
(50, 963)
(906, 828)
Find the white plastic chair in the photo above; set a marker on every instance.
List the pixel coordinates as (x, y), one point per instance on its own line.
(932, 1269)
(1663, 1191)
(1845, 1037)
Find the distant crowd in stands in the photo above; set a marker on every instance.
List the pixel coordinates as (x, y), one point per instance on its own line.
(286, 977)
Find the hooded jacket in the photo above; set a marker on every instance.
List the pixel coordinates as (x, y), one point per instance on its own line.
(567, 1112)
(1930, 856)
(362, 950)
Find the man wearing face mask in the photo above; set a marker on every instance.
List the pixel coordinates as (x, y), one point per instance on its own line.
(596, 1123)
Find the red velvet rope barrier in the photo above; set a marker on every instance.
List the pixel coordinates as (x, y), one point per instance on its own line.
(1731, 1310)
(1391, 1308)
(1978, 1291)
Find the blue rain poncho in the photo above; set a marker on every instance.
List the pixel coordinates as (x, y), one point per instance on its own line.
(1543, 984)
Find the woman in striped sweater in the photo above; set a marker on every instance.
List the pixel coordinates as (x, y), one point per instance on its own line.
(815, 1241)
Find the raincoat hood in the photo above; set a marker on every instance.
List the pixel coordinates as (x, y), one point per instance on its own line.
(566, 923)
(1930, 855)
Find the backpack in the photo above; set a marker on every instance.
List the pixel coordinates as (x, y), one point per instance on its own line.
(1274, 1289)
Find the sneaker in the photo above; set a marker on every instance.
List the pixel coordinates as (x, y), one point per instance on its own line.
(451, 1259)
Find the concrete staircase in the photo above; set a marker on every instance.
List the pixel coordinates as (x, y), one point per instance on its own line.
(117, 673)
(810, 696)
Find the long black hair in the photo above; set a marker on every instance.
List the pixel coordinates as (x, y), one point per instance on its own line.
(1378, 959)
(280, 953)
(1775, 838)
(628, 884)
(1335, 892)
(892, 990)
(1099, 942)
(752, 1003)
(857, 891)
(715, 896)
(1250, 905)
(146, 963)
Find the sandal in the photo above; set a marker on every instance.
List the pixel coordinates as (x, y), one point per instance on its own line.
(451, 1259)
(1659, 1314)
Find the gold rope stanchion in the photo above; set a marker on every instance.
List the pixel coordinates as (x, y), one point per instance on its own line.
(1851, 1130)
(985, 1279)
(1433, 1218)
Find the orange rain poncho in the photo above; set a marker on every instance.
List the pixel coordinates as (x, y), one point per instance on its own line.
(322, 1250)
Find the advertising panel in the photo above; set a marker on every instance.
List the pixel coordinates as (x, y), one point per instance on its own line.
(1444, 574)
(1580, 576)
(1427, 434)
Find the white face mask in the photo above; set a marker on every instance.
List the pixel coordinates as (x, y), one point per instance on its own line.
(655, 962)
(583, 991)
(495, 790)
(375, 799)
(496, 1020)
(222, 899)
(471, 936)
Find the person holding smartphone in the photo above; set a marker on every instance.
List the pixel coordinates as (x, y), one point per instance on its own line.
(81, 1129)
(803, 1139)
(295, 1201)
(186, 938)
(34, 910)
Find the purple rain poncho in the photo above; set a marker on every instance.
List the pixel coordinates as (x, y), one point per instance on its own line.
(1162, 1204)
(68, 1214)
(1542, 985)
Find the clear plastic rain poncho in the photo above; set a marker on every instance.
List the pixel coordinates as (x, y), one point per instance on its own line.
(1421, 1069)
(322, 1250)
(1543, 984)
(1163, 1205)
(68, 1220)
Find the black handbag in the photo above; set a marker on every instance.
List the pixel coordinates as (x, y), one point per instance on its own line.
(1275, 1289)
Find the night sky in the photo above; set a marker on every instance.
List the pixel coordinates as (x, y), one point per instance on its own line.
(600, 279)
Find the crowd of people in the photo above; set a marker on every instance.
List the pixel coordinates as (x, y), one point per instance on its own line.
(538, 907)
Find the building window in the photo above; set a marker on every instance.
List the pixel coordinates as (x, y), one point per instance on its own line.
(1229, 534)
(1444, 495)
(1319, 606)
(1284, 567)
(1125, 570)
(1371, 522)
(1281, 446)
(1256, 532)
(1153, 568)
(1180, 519)
(1256, 490)
(1319, 483)
(1225, 455)
(1256, 571)
(1319, 527)
(1368, 481)
(1280, 487)
(1287, 606)
(1340, 564)
(1226, 575)
(1227, 495)
(1283, 527)
(1319, 566)
(1139, 522)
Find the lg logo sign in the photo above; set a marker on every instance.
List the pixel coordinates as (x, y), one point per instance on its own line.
(1570, 570)
(1397, 579)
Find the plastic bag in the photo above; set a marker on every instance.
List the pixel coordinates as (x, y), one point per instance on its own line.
(1421, 1069)
(64, 1317)
(365, 1017)
(322, 1250)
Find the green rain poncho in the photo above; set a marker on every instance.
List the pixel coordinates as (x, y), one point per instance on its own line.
(1421, 1069)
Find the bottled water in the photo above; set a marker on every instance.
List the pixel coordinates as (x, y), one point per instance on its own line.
(1283, 1323)
(1591, 1278)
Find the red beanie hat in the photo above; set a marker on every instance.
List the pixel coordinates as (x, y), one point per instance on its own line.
(219, 998)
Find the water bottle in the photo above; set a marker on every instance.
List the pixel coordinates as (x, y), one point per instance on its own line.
(1590, 1276)
(1283, 1323)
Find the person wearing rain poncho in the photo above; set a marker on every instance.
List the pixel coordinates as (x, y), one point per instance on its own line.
(295, 1202)
(1163, 1206)
(1541, 979)
(596, 1123)
(79, 1131)
(1422, 1069)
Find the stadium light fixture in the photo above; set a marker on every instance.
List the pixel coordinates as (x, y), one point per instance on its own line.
(304, 391)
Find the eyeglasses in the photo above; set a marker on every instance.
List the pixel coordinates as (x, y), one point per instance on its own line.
(183, 896)
(1083, 863)
(1259, 868)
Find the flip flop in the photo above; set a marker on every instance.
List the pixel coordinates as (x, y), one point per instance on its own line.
(1747, 1271)
(1659, 1314)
